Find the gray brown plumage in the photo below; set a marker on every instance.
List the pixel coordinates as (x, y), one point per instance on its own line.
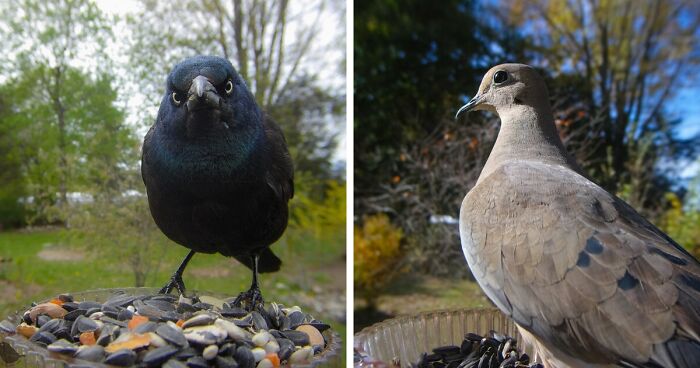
(582, 273)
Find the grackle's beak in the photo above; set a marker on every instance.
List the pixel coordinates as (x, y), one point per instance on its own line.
(470, 105)
(202, 95)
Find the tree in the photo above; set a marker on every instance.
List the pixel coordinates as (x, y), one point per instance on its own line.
(415, 61)
(274, 46)
(42, 43)
(632, 56)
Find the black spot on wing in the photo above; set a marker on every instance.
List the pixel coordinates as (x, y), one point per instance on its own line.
(669, 257)
(627, 282)
(593, 246)
(691, 281)
(584, 260)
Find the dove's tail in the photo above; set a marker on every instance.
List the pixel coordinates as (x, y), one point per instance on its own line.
(677, 353)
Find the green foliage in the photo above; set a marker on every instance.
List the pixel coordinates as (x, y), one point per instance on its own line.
(376, 254)
(414, 62)
(682, 224)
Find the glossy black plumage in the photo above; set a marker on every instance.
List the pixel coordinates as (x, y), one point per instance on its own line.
(217, 170)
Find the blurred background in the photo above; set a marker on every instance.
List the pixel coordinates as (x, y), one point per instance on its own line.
(81, 82)
(622, 77)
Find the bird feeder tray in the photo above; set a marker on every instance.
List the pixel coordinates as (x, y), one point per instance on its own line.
(18, 351)
(400, 341)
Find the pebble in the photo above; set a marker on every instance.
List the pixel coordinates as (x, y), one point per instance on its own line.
(159, 355)
(142, 331)
(172, 334)
(205, 335)
(122, 358)
(93, 353)
(265, 363)
(258, 354)
(63, 346)
(244, 357)
(210, 352)
(50, 309)
(315, 337)
(493, 350)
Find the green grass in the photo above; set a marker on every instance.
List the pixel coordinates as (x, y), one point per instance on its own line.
(309, 265)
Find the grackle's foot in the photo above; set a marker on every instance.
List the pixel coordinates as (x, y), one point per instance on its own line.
(250, 300)
(175, 282)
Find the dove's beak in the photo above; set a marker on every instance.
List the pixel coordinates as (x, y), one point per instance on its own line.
(202, 95)
(474, 102)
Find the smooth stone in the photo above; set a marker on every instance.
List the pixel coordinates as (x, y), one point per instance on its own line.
(226, 362)
(162, 305)
(234, 332)
(26, 330)
(65, 298)
(109, 308)
(286, 348)
(199, 320)
(125, 315)
(106, 335)
(51, 325)
(272, 347)
(258, 321)
(84, 324)
(295, 319)
(258, 354)
(173, 363)
(244, 357)
(7, 326)
(187, 353)
(299, 338)
(210, 352)
(92, 311)
(285, 323)
(261, 338)
(205, 335)
(94, 353)
(42, 319)
(171, 334)
(299, 356)
(197, 362)
(121, 358)
(157, 341)
(202, 306)
(112, 321)
(146, 327)
(315, 337)
(215, 302)
(320, 326)
(50, 309)
(89, 305)
(227, 349)
(63, 346)
(265, 363)
(159, 355)
(43, 337)
(234, 312)
(70, 306)
(147, 311)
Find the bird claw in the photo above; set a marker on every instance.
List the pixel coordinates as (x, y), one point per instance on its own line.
(250, 300)
(175, 282)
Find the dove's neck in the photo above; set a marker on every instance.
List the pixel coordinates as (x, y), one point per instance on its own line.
(527, 133)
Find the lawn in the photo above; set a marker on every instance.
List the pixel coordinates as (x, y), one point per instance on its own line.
(414, 293)
(39, 264)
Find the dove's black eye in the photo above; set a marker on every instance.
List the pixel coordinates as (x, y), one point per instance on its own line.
(500, 77)
(229, 87)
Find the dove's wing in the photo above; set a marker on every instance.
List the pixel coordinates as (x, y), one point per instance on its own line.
(581, 269)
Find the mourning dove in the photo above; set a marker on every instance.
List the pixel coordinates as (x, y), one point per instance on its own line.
(586, 278)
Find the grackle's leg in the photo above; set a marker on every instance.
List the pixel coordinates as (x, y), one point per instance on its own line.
(176, 279)
(253, 298)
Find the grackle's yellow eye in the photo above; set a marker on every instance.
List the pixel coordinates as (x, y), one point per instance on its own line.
(229, 87)
(176, 99)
